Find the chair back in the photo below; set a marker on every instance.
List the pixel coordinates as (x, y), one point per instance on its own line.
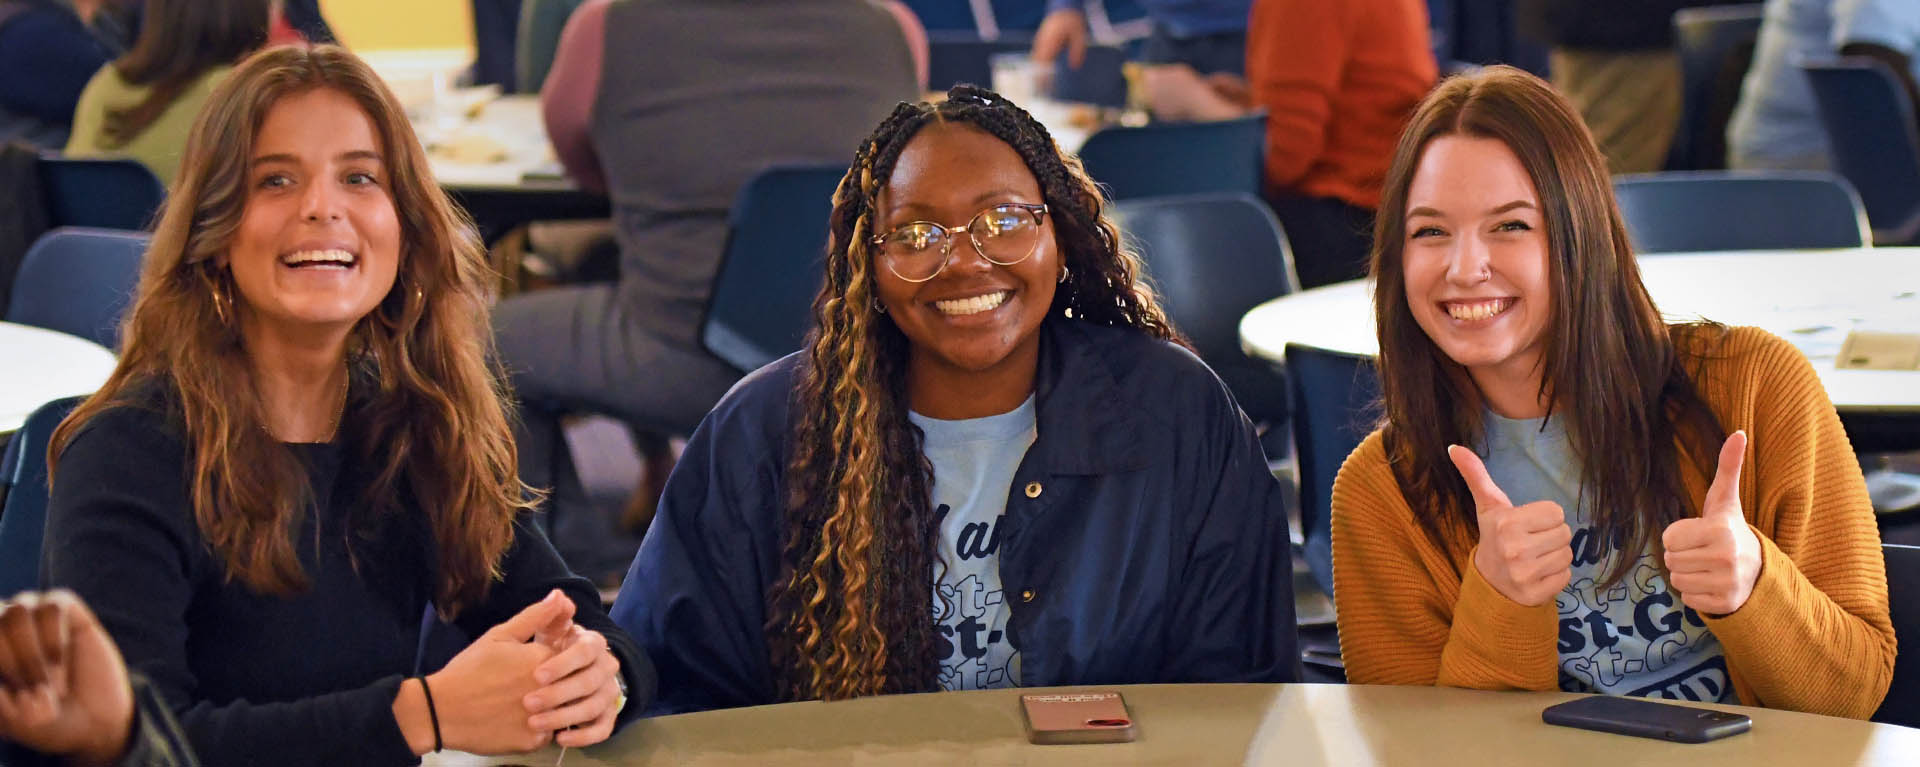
(1169, 159)
(1902, 705)
(100, 192)
(1099, 80)
(1874, 141)
(955, 57)
(79, 282)
(774, 262)
(1333, 395)
(23, 513)
(1682, 211)
(1211, 259)
(1716, 48)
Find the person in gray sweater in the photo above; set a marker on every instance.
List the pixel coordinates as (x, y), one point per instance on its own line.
(669, 106)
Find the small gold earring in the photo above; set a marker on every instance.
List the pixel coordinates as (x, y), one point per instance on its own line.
(221, 302)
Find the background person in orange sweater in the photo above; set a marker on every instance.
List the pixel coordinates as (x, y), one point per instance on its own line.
(1567, 492)
(1338, 80)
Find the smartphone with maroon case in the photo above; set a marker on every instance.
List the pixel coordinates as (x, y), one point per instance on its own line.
(1093, 716)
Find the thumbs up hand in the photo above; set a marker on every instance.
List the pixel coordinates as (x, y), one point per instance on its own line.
(1713, 560)
(1526, 551)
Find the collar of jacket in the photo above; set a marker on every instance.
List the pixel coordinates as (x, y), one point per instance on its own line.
(1086, 423)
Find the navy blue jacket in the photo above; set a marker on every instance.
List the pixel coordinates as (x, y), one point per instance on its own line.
(1155, 551)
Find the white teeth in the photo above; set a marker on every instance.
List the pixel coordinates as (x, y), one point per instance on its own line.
(1478, 310)
(331, 257)
(974, 305)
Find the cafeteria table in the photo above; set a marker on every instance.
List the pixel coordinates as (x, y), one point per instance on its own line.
(1812, 298)
(491, 155)
(39, 365)
(1290, 725)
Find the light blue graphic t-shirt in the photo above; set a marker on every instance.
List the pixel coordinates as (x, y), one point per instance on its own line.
(973, 466)
(1632, 638)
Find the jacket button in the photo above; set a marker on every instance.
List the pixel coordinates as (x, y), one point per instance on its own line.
(1033, 490)
(1027, 595)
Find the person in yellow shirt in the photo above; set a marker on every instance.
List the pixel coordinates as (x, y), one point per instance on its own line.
(142, 105)
(1565, 491)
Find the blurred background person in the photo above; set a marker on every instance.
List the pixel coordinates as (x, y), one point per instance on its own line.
(1338, 81)
(48, 51)
(143, 104)
(1617, 64)
(671, 143)
(1777, 124)
(1190, 44)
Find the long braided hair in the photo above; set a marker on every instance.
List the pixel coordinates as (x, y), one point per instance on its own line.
(851, 612)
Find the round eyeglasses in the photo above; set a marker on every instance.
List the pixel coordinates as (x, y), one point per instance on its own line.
(1005, 234)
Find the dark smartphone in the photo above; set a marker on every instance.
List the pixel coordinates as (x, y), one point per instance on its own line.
(1647, 719)
(1095, 716)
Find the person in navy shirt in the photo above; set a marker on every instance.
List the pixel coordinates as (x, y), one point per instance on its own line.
(994, 464)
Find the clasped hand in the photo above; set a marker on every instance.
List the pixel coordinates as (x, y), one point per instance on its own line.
(536, 678)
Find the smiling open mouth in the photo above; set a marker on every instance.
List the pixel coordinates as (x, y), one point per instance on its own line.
(961, 307)
(1477, 310)
(319, 259)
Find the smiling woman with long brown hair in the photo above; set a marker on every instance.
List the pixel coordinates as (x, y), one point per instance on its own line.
(1566, 491)
(993, 465)
(305, 445)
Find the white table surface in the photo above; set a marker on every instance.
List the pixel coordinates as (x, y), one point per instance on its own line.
(511, 123)
(38, 365)
(1811, 298)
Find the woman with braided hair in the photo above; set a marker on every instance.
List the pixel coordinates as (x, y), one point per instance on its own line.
(995, 464)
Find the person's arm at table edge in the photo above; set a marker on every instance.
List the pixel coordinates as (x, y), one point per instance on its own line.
(573, 85)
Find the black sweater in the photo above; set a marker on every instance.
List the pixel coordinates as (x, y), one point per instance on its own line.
(254, 679)
(1603, 25)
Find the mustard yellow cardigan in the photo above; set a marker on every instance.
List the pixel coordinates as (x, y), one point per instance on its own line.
(1814, 636)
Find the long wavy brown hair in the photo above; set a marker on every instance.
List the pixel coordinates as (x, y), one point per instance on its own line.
(180, 41)
(426, 406)
(852, 610)
(1615, 372)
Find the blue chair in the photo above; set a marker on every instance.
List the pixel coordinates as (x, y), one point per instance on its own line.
(1334, 395)
(955, 57)
(1716, 47)
(1169, 159)
(774, 262)
(79, 282)
(1682, 211)
(107, 193)
(1902, 705)
(1099, 80)
(1212, 258)
(1870, 127)
(23, 513)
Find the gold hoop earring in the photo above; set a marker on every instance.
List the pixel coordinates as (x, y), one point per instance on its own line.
(222, 303)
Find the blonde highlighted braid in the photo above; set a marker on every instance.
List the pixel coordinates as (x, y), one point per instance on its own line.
(851, 613)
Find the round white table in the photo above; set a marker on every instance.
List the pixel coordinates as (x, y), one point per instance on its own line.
(1294, 725)
(1811, 298)
(39, 365)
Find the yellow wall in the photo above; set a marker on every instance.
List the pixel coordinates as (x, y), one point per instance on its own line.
(381, 25)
